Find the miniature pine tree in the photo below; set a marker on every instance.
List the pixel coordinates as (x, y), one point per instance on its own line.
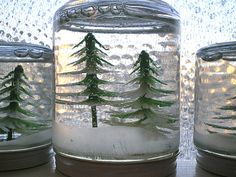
(144, 107)
(223, 119)
(91, 56)
(14, 118)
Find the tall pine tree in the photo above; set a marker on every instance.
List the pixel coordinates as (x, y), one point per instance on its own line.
(13, 117)
(144, 106)
(92, 57)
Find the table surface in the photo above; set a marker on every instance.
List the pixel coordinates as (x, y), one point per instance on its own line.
(185, 168)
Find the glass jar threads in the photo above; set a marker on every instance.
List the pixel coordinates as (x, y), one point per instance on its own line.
(215, 120)
(117, 87)
(26, 105)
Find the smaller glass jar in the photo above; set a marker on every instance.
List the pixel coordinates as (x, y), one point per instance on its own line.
(26, 105)
(215, 108)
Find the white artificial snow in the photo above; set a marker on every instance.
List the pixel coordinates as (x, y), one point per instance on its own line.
(27, 141)
(216, 142)
(112, 142)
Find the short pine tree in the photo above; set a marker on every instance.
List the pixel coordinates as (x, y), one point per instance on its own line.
(14, 118)
(91, 56)
(144, 105)
(219, 121)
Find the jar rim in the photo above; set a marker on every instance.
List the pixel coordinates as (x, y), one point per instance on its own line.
(91, 12)
(24, 52)
(163, 5)
(217, 51)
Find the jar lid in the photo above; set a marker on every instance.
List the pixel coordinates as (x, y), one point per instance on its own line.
(224, 51)
(113, 13)
(24, 52)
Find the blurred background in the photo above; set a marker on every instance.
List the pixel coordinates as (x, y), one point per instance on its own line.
(202, 23)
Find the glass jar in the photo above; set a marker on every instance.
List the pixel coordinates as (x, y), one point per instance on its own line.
(117, 86)
(26, 105)
(215, 120)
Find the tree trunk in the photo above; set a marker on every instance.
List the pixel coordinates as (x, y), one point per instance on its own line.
(94, 116)
(10, 135)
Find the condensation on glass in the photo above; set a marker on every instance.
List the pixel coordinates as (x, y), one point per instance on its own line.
(117, 80)
(215, 119)
(26, 103)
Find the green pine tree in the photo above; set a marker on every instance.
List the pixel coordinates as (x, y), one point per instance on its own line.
(144, 107)
(91, 56)
(218, 120)
(14, 118)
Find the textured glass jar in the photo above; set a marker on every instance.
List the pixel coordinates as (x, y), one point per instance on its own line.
(117, 81)
(26, 105)
(215, 119)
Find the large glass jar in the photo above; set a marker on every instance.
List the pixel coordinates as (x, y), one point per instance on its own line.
(26, 105)
(215, 118)
(117, 85)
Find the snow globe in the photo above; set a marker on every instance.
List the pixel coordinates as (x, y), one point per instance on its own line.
(117, 88)
(26, 105)
(215, 118)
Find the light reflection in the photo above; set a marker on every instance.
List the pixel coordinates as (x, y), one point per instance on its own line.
(210, 73)
(212, 91)
(206, 81)
(230, 69)
(227, 132)
(217, 69)
(222, 62)
(233, 81)
(224, 89)
(228, 102)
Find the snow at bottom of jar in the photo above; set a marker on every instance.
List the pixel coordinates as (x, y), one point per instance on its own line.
(113, 143)
(26, 105)
(219, 143)
(27, 141)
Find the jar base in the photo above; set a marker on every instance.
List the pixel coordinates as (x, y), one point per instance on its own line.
(216, 164)
(16, 160)
(82, 168)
